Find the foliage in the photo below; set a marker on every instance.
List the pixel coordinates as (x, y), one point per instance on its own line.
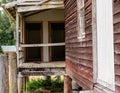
(54, 86)
(37, 91)
(35, 84)
(57, 85)
(6, 1)
(6, 31)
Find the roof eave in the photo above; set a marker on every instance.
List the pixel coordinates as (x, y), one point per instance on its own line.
(9, 15)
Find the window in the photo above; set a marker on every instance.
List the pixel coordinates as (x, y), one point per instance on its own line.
(81, 19)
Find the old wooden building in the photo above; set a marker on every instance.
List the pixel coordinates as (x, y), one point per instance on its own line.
(92, 44)
(89, 43)
(40, 37)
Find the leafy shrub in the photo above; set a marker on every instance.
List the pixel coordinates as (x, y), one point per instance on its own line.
(57, 86)
(7, 30)
(54, 85)
(37, 91)
(35, 84)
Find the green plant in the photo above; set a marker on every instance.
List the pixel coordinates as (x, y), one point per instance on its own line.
(7, 29)
(34, 84)
(37, 91)
(55, 85)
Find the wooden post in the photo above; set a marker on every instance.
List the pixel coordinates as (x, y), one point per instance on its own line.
(12, 72)
(20, 83)
(17, 37)
(24, 85)
(67, 84)
(4, 83)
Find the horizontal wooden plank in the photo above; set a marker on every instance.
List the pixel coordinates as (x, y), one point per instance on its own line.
(86, 43)
(76, 43)
(117, 28)
(41, 7)
(42, 45)
(116, 8)
(116, 1)
(12, 4)
(32, 0)
(88, 3)
(73, 71)
(87, 50)
(88, 16)
(80, 57)
(70, 12)
(82, 62)
(57, 64)
(38, 3)
(117, 89)
(36, 73)
(116, 38)
(88, 10)
(117, 48)
(117, 69)
(116, 18)
(78, 66)
(117, 59)
(81, 81)
(40, 73)
(117, 79)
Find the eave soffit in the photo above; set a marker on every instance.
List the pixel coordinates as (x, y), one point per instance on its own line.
(25, 6)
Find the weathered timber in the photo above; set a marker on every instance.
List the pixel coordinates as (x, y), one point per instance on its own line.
(39, 3)
(42, 7)
(94, 38)
(12, 72)
(4, 83)
(20, 83)
(79, 55)
(67, 84)
(8, 14)
(42, 45)
(41, 73)
(116, 18)
(57, 64)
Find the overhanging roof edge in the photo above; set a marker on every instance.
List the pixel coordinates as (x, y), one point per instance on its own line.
(9, 15)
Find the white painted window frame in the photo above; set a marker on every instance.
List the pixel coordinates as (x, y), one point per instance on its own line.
(81, 19)
(103, 45)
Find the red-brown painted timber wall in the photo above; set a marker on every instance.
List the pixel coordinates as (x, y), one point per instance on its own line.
(79, 60)
(116, 12)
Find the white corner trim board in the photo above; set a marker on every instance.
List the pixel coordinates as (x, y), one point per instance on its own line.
(105, 49)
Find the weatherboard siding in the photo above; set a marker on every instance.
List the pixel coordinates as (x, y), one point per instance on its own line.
(79, 60)
(116, 12)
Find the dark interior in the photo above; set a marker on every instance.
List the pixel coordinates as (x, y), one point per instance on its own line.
(33, 36)
(57, 35)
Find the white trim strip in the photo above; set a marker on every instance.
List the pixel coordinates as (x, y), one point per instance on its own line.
(42, 45)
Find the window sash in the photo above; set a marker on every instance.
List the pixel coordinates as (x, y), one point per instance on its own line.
(81, 19)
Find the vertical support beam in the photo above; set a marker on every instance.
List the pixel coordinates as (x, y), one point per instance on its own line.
(94, 38)
(17, 37)
(4, 83)
(67, 84)
(45, 40)
(20, 83)
(21, 56)
(12, 72)
(24, 85)
(26, 80)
